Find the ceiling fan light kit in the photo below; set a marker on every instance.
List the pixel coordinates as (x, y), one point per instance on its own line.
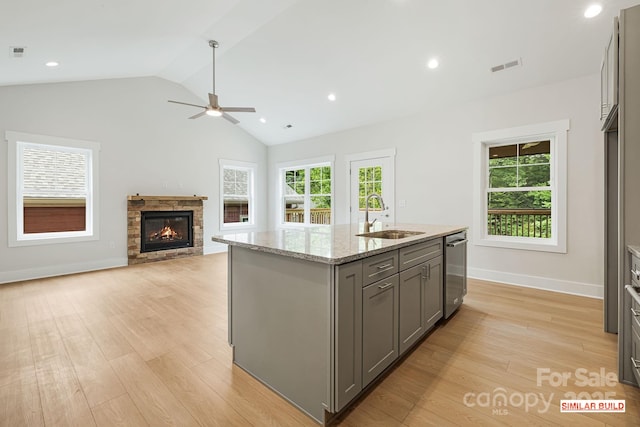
(214, 109)
(213, 113)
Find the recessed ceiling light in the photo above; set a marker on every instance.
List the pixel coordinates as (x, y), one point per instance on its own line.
(331, 97)
(592, 11)
(433, 63)
(52, 64)
(263, 120)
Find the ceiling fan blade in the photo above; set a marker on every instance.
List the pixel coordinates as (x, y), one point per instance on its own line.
(192, 105)
(239, 109)
(198, 115)
(230, 118)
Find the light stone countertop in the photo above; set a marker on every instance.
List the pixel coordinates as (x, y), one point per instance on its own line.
(335, 244)
(635, 250)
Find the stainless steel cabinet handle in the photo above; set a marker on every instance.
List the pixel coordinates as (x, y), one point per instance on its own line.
(456, 243)
(415, 259)
(635, 313)
(636, 274)
(635, 363)
(424, 272)
(380, 267)
(429, 272)
(385, 286)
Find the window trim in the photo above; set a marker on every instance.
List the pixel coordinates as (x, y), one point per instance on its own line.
(252, 168)
(15, 227)
(300, 164)
(556, 132)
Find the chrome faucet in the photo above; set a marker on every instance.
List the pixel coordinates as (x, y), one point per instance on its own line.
(367, 224)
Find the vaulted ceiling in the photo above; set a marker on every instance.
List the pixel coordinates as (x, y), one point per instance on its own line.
(285, 56)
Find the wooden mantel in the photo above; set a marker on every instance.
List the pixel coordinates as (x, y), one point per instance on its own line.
(167, 198)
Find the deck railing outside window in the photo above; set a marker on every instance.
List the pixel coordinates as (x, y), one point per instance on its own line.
(318, 216)
(519, 222)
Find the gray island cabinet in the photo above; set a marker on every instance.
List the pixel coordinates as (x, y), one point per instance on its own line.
(317, 314)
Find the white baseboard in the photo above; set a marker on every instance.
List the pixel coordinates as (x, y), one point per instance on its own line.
(60, 269)
(549, 284)
(214, 248)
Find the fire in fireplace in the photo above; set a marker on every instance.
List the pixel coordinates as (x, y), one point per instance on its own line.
(162, 230)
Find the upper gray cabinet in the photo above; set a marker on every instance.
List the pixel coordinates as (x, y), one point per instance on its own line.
(609, 80)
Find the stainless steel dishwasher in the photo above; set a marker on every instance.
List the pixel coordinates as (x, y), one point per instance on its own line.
(455, 272)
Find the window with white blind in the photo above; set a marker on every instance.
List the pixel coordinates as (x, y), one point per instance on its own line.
(52, 189)
(237, 204)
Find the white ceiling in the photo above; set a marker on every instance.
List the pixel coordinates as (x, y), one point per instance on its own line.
(285, 56)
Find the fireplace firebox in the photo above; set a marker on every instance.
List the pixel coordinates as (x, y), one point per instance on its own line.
(162, 230)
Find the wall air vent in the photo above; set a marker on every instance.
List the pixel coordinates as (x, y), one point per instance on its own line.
(510, 64)
(17, 51)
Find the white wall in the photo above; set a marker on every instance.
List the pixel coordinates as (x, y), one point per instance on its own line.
(147, 146)
(434, 164)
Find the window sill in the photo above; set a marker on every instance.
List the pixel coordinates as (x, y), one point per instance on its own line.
(52, 239)
(294, 225)
(238, 227)
(528, 244)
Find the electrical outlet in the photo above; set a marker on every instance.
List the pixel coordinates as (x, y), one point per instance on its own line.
(402, 203)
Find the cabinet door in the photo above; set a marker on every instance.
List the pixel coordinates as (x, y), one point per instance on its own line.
(612, 68)
(604, 107)
(412, 305)
(433, 303)
(348, 339)
(609, 78)
(635, 355)
(379, 327)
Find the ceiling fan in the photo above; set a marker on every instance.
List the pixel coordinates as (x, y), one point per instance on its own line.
(214, 109)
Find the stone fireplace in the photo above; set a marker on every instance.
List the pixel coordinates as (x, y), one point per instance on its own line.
(163, 230)
(163, 227)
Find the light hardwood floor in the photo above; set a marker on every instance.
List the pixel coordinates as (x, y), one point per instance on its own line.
(147, 345)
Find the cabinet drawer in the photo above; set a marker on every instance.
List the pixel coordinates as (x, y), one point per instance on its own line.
(635, 270)
(379, 266)
(419, 253)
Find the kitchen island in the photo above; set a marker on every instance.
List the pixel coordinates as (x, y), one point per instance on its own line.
(318, 313)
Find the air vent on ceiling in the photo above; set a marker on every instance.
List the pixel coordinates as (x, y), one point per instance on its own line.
(510, 64)
(17, 51)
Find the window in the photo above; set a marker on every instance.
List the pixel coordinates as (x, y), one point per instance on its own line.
(52, 189)
(237, 194)
(306, 194)
(521, 191)
(369, 181)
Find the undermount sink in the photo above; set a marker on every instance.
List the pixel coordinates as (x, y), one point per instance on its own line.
(390, 234)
